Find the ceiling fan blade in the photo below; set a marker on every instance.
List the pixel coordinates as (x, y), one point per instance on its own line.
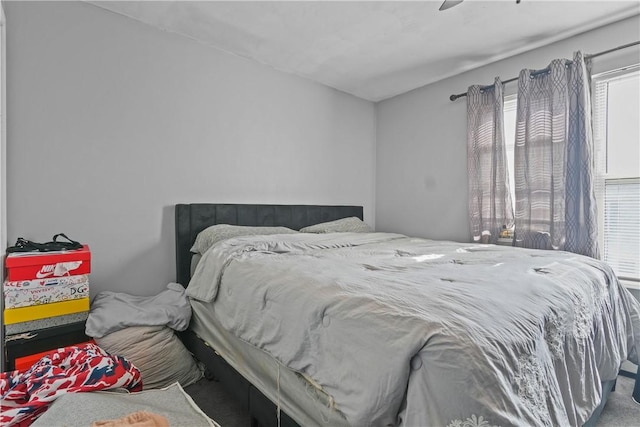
(447, 4)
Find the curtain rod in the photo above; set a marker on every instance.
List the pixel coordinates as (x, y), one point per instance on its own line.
(588, 56)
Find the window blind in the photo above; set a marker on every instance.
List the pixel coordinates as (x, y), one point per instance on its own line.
(617, 180)
(621, 226)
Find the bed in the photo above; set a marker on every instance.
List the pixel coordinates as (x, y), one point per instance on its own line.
(291, 385)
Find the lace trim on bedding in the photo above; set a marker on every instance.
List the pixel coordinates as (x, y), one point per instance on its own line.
(555, 333)
(532, 387)
(583, 312)
(473, 421)
(585, 308)
(587, 305)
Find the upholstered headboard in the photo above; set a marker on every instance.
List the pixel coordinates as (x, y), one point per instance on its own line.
(193, 218)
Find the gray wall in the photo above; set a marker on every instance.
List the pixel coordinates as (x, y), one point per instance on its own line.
(112, 122)
(421, 165)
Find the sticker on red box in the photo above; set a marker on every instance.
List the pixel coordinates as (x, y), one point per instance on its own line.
(40, 283)
(17, 297)
(43, 265)
(58, 269)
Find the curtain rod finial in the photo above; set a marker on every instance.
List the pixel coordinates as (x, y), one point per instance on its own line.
(453, 97)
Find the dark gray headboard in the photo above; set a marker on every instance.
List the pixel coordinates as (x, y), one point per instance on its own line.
(193, 218)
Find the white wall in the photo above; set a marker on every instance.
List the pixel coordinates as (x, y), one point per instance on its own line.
(3, 162)
(112, 122)
(421, 185)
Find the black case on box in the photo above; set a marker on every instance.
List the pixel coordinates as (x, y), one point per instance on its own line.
(40, 340)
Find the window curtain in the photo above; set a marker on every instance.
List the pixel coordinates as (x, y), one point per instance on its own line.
(554, 162)
(490, 205)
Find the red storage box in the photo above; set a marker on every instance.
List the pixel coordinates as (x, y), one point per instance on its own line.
(25, 362)
(41, 265)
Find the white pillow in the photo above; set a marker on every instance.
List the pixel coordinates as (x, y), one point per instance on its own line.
(352, 224)
(216, 233)
(157, 352)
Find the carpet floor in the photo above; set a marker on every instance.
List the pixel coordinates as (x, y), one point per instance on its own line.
(620, 411)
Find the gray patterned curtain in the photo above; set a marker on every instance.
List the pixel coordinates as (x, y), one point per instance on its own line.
(490, 204)
(554, 162)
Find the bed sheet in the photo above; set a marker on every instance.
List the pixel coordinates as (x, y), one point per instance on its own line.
(303, 401)
(409, 331)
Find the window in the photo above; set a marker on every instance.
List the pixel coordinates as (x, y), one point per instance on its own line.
(616, 116)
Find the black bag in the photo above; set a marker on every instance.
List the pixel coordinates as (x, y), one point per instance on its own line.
(24, 245)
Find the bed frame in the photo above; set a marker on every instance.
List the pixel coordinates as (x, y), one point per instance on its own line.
(193, 218)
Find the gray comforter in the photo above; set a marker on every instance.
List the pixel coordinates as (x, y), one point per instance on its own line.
(408, 331)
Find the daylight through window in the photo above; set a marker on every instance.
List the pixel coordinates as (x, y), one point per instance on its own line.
(616, 116)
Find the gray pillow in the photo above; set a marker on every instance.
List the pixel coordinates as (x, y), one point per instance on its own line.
(352, 224)
(216, 233)
(157, 352)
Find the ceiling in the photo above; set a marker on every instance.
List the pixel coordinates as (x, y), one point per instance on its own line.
(375, 49)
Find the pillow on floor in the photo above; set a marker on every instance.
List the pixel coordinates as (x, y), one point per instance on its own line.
(157, 352)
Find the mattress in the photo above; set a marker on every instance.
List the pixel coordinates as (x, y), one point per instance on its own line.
(296, 395)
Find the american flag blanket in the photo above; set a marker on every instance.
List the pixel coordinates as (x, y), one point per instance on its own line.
(87, 367)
